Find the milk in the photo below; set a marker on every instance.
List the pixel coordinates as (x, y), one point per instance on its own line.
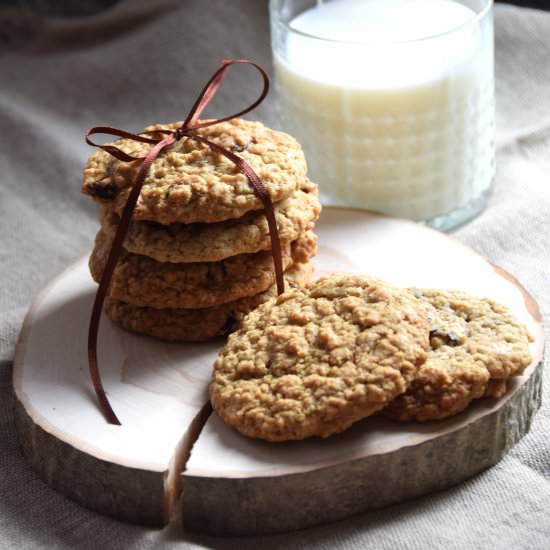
(394, 105)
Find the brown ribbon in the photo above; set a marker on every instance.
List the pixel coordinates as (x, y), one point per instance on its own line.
(187, 130)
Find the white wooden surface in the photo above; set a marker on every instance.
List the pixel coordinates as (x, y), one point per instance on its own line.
(157, 388)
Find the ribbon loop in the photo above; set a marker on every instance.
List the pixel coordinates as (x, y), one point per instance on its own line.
(112, 149)
(209, 91)
(186, 130)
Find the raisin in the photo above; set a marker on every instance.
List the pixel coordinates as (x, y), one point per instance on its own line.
(229, 326)
(438, 339)
(239, 148)
(216, 275)
(103, 189)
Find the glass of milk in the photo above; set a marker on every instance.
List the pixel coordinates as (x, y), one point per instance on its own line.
(392, 101)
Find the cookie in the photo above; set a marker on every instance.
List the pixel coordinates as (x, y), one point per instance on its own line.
(190, 183)
(195, 325)
(476, 345)
(211, 242)
(142, 281)
(312, 362)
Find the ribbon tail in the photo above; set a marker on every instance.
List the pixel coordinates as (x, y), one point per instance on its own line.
(261, 191)
(107, 275)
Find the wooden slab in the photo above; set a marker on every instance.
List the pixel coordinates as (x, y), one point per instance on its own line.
(232, 484)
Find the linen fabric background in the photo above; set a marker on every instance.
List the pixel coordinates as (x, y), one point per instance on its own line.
(141, 62)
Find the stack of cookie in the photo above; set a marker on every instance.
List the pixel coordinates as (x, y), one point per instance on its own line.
(313, 361)
(197, 256)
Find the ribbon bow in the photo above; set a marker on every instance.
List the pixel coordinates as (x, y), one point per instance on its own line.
(187, 130)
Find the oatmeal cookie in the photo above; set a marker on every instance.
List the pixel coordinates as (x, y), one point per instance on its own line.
(476, 346)
(312, 362)
(211, 242)
(190, 183)
(195, 325)
(142, 281)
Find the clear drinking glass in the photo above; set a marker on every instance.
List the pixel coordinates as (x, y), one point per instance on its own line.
(392, 101)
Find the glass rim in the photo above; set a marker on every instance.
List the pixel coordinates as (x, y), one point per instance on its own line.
(470, 22)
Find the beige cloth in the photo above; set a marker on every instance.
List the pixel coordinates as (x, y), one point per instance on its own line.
(144, 61)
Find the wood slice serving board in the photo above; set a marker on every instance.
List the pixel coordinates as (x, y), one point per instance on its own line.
(231, 484)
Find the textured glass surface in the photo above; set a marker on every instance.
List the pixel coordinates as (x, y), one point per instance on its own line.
(385, 135)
